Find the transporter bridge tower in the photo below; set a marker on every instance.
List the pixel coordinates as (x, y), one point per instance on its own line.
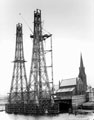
(40, 88)
(18, 89)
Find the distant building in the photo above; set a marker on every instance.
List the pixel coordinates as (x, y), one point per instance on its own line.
(70, 87)
(90, 94)
(89, 104)
(74, 86)
(72, 92)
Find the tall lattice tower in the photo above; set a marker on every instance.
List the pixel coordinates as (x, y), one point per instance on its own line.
(39, 85)
(18, 88)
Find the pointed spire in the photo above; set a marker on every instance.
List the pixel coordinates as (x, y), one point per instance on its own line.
(81, 61)
(81, 68)
(82, 74)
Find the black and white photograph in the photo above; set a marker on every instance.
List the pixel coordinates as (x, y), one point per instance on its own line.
(46, 59)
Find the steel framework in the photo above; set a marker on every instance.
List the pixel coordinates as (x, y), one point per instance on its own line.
(39, 85)
(18, 90)
(36, 97)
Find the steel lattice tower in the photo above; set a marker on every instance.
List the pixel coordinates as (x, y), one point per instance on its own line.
(19, 79)
(39, 86)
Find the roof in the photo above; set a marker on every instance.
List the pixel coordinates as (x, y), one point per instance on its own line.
(68, 82)
(66, 90)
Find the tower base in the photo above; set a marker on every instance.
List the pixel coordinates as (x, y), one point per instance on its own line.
(32, 109)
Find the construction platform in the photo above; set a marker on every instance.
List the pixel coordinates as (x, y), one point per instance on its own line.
(32, 109)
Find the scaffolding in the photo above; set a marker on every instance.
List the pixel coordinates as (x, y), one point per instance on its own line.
(36, 96)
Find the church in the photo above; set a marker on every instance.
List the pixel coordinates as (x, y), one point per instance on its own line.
(74, 86)
(72, 91)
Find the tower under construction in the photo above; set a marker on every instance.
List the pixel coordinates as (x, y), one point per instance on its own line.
(40, 88)
(18, 90)
(36, 96)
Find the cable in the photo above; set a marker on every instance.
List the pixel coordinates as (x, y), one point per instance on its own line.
(45, 29)
(26, 23)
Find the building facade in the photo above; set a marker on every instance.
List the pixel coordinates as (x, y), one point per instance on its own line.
(72, 92)
(74, 86)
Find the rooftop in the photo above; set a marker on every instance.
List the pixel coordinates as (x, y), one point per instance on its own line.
(66, 90)
(68, 82)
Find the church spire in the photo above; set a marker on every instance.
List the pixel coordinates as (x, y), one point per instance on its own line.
(81, 68)
(81, 61)
(82, 74)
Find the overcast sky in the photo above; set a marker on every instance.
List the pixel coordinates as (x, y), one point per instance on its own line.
(70, 21)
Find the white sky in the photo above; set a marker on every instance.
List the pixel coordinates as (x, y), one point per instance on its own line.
(70, 21)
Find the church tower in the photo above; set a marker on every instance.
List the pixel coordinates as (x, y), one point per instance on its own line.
(82, 74)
